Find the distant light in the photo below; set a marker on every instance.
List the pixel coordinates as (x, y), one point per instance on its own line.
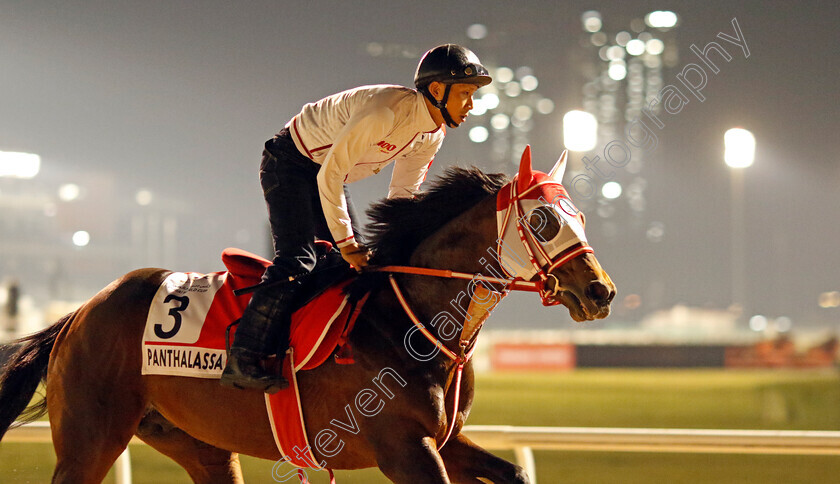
(783, 324)
(598, 39)
(661, 19)
(622, 38)
(490, 100)
(504, 74)
(635, 47)
(523, 112)
(758, 323)
(513, 89)
(69, 192)
(739, 149)
(479, 107)
(656, 232)
(81, 238)
(580, 131)
(499, 121)
(652, 61)
(523, 71)
(615, 53)
(375, 49)
(529, 83)
(591, 21)
(19, 165)
(654, 46)
(143, 197)
(479, 134)
(830, 299)
(477, 31)
(632, 301)
(602, 53)
(545, 106)
(617, 70)
(523, 125)
(611, 190)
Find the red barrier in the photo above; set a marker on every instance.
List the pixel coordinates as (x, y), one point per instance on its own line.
(539, 357)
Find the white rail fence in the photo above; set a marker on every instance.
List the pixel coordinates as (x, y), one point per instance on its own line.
(523, 440)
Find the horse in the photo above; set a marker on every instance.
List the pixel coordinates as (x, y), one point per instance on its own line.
(431, 250)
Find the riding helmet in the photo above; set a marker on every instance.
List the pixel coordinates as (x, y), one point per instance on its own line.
(450, 64)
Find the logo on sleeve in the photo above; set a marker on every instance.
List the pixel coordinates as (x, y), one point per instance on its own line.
(386, 147)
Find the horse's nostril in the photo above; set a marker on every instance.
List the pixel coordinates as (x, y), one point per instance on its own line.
(599, 292)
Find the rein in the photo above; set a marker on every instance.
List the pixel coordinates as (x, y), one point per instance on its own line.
(460, 359)
(510, 283)
(467, 344)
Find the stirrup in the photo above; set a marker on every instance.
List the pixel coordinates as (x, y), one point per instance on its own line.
(227, 337)
(266, 383)
(250, 383)
(244, 372)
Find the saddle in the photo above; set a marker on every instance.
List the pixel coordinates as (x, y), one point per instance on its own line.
(185, 328)
(330, 269)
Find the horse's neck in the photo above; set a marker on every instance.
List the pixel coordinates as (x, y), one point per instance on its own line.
(461, 245)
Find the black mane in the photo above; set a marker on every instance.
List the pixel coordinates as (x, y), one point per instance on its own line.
(399, 225)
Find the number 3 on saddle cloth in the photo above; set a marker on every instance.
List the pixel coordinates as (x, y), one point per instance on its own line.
(188, 317)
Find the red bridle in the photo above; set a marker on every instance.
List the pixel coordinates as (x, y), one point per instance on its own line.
(529, 242)
(532, 245)
(548, 296)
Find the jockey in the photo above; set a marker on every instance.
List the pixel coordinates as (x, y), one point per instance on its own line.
(338, 140)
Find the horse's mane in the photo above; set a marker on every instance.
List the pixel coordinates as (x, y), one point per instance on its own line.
(398, 225)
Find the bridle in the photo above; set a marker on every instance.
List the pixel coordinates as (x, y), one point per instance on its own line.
(532, 246)
(534, 249)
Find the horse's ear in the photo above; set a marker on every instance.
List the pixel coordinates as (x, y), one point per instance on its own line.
(559, 169)
(525, 175)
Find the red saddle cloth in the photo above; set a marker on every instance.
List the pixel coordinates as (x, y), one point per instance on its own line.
(316, 330)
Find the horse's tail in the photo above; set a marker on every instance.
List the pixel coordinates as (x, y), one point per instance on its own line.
(20, 376)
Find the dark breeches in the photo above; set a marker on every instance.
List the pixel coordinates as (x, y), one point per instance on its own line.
(290, 188)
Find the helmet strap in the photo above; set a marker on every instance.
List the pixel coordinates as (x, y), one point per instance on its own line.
(441, 105)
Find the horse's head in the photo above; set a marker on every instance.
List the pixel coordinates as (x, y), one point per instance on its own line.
(542, 239)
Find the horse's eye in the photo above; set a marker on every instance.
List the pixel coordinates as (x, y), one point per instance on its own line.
(544, 224)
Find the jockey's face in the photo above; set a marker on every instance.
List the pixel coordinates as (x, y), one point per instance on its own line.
(460, 100)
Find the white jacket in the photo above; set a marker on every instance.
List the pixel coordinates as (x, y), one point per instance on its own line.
(355, 133)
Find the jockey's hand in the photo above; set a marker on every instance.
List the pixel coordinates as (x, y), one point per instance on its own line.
(355, 254)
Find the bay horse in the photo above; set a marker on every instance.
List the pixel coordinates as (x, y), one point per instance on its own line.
(97, 398)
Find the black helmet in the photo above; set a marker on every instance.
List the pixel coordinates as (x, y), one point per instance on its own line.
(450, 64)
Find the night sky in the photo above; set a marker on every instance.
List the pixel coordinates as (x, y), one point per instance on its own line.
(178, 98)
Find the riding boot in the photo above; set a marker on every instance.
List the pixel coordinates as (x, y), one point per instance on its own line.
(263, 330)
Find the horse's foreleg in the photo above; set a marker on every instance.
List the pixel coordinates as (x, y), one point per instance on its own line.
(466, 462)
(204, 463)
(408, 458)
